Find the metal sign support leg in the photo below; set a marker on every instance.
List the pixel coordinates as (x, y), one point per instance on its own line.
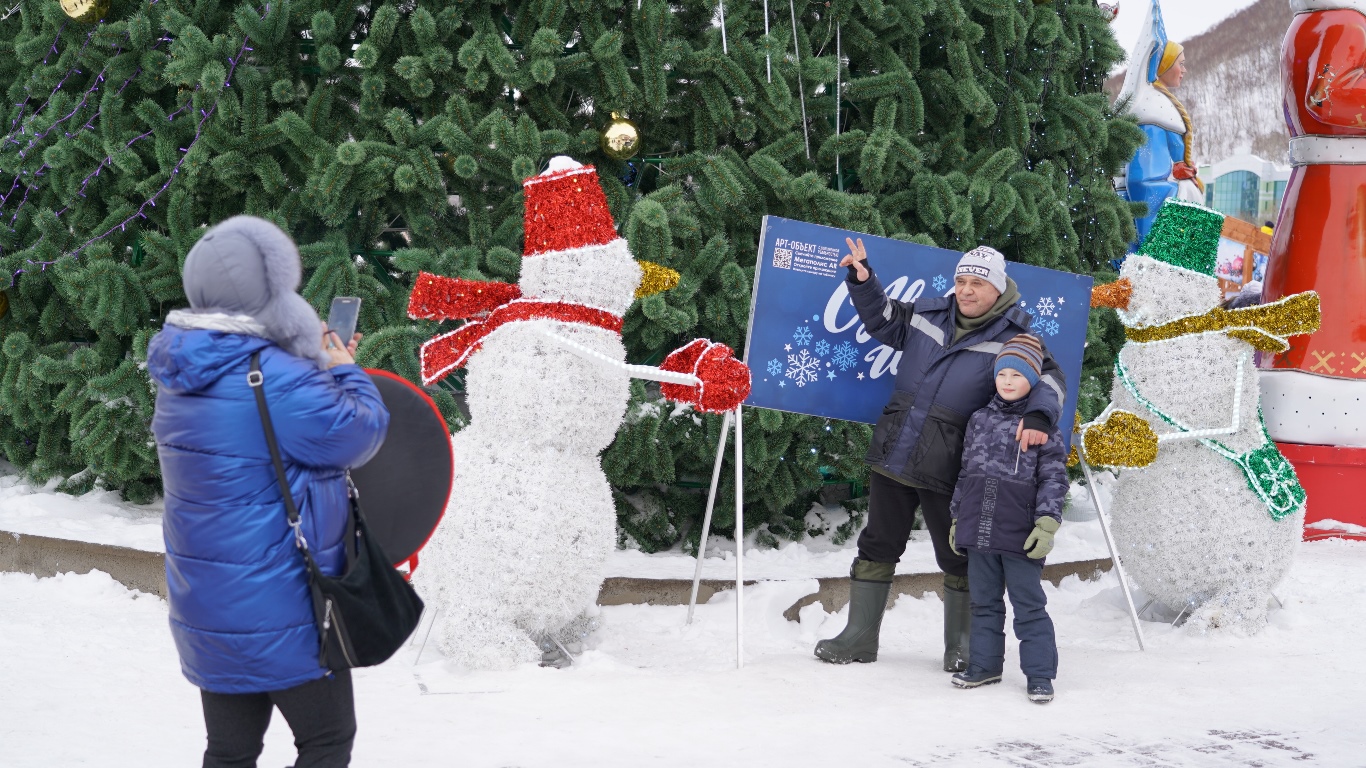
(1114, 556)
(739, 541)
(711, 505)
(727, 420)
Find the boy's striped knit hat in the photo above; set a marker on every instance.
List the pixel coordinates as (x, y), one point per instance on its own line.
(1023, 353)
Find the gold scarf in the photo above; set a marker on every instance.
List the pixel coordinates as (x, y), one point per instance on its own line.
(1265, 327)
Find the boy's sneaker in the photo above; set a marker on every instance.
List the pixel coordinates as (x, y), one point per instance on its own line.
(1040, 690)
(975, 677)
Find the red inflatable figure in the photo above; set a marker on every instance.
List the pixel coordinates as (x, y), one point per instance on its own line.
(1315, 393)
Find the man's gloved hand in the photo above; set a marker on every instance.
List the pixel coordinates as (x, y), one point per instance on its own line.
(1040, 541)
(856, 260)
(953, 535)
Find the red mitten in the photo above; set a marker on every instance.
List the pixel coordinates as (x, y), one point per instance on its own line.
(725, 380)
(683, 360)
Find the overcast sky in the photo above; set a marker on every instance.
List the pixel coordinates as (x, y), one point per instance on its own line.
(1184, 18)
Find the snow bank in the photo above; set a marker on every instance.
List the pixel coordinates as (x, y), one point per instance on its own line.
(101, 518)
(98, 517)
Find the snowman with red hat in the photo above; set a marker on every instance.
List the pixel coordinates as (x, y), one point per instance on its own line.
(520, 553)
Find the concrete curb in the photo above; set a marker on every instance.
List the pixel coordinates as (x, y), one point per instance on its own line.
(145, 571)
(43, 556)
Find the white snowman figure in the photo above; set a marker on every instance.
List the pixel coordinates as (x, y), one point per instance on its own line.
(1207, 513)
(520, 553)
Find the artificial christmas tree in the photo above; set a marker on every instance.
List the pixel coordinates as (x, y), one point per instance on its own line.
(393, 138)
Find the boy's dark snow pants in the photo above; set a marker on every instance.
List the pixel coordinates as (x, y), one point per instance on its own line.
(989, 575)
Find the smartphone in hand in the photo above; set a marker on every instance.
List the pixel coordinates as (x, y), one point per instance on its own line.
(342, 318)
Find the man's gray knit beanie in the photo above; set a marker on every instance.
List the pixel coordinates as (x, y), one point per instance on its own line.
(248, 266)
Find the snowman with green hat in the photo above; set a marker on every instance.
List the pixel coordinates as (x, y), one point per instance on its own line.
(1207, 513)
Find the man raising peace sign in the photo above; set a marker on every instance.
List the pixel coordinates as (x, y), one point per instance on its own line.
(949, 347)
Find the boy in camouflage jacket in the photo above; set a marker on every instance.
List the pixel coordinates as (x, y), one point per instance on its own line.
(1006, 508)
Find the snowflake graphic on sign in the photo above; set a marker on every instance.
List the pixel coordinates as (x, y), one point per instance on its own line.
(802, 368)
(775, 367)
(940, 283)
(822, 347)
(802, 335)
(1044, 325)
(846, 356)
(1046, 307)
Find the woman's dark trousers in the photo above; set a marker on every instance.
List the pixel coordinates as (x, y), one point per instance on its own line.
(321, 713)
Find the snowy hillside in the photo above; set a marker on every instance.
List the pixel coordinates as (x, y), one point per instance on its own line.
(1233, 89)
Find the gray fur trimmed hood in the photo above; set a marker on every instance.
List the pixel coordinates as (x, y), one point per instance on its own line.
(249, 269)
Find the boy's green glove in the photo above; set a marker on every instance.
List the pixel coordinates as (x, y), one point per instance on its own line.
(1040, 541)
(953, 535)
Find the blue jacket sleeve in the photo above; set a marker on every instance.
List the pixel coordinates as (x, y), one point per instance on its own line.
(886, 320)
(331, 419)
(1051, 478)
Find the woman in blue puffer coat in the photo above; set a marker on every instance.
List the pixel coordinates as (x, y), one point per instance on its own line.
(240, 609)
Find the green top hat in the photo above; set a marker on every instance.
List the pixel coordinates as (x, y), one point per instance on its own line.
(1185, 235)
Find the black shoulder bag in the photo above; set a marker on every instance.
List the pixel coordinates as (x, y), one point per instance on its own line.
(365, 614)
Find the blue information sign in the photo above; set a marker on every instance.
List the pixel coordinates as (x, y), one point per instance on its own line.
(810, 354)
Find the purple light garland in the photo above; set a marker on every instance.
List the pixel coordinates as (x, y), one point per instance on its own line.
(139, 213)
(74, 68)
(22, 104)
(89, 125)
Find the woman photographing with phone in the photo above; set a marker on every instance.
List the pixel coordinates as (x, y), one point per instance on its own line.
(240, 606)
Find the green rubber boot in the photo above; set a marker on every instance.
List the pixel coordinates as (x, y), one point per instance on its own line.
(957, 623)
(869, 584)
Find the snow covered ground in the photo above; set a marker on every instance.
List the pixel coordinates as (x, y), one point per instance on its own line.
(89, 676)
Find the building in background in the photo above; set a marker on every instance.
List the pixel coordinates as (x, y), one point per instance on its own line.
(1245, 187)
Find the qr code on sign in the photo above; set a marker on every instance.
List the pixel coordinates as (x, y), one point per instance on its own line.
(782, 258)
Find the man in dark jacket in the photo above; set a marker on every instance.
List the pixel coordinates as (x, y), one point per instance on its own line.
(948, 350)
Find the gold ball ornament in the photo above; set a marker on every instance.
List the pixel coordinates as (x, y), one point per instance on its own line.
(620, 140)
(86, 11)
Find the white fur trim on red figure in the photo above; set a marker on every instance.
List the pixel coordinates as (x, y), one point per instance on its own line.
(1309, 6)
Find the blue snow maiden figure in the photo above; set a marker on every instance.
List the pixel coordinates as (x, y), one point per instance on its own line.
(1162, 167)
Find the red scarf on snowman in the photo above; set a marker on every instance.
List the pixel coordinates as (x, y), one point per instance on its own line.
(564, 210)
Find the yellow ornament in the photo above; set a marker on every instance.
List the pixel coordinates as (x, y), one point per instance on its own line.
(1122, 440)
(86, 11)
(655, 279)
(620, 140)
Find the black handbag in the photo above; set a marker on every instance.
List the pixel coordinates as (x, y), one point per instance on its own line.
(366, 614)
